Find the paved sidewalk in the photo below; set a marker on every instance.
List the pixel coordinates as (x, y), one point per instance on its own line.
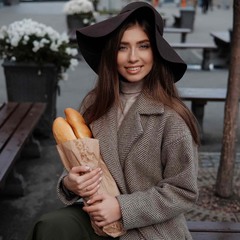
(209, 206)
(18, 214)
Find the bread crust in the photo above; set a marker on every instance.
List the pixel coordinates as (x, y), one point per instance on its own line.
(78, 124)
(62, 131)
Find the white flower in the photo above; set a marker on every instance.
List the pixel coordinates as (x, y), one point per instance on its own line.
(74, 52)
(25, 39)
(14, 41)
(44, 41)
(85, 21)
(54, 47)
(36, 45)
(64, 76)
(64, 38)
(78, 6)
(3, 32)
(30, 41)
(73, 63)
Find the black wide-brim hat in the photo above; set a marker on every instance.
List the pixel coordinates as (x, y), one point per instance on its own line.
(91, 39)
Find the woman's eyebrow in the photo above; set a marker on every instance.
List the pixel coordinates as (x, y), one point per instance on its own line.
(139, 42)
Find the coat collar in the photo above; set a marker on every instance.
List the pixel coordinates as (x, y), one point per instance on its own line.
(116, 144)
(147, 106)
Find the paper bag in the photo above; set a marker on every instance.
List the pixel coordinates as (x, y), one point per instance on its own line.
(86, 152)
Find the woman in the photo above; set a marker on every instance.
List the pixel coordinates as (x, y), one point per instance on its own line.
(148, 137)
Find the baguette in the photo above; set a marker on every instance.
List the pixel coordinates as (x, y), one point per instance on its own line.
(62, 131)
(84, 152)
(78, 124)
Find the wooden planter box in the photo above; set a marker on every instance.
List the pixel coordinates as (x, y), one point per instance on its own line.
(27, 82)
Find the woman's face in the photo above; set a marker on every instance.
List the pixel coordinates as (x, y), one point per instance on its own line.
(135, 57)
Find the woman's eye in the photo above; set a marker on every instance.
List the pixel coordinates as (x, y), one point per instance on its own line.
(145, 46)
(122, 48)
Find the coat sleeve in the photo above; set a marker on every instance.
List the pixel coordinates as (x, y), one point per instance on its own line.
(175, 193)
(63, 194)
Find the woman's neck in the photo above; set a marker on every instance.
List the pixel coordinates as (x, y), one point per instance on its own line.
(131, 87)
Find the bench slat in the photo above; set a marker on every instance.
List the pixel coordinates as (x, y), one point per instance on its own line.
(206, 226)
(19, 137)
(193, 45)
(2, 105)
(12, 122)
(6, 110)
(223, 36)
(176, 30)
(36, 111)
(215, 236)
(206, 94)
(208, 50)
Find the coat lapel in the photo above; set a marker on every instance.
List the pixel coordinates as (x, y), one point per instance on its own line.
(130, 130)
(134, 124)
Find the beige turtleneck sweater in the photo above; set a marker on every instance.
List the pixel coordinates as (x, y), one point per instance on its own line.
(128, 94)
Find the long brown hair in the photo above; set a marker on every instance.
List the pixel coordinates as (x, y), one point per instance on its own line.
(158, 84)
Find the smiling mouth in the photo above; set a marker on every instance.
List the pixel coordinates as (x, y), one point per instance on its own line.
(133, 69)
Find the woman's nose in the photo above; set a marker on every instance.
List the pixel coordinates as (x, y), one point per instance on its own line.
(133, 56)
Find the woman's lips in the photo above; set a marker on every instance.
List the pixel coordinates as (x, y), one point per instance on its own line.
(133, 69)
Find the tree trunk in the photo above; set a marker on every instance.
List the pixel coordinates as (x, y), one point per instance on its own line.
(224, 184)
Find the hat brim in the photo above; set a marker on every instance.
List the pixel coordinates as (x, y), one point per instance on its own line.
(91, 39)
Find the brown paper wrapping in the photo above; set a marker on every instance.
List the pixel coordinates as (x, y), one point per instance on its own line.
(86, 152)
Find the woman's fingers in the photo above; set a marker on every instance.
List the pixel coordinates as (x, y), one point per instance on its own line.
(91, 190)
(89, 183)
(80, 170)
(96, 198)
(83, 181)
(90, 178)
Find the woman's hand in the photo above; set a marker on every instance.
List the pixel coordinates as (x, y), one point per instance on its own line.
(83, 181)
(103, 209)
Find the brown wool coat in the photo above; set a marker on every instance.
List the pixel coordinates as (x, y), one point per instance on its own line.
(154, 161)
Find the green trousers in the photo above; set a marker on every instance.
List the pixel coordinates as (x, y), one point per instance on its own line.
(69, 223)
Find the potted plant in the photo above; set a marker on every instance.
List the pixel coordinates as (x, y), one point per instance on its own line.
(35, 57)
(79, 13)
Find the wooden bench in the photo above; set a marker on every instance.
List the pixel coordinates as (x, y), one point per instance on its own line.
(199, 98)
(207, 49)
(214, 230)
(17, 122)
(182, 31)
(222, 39)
